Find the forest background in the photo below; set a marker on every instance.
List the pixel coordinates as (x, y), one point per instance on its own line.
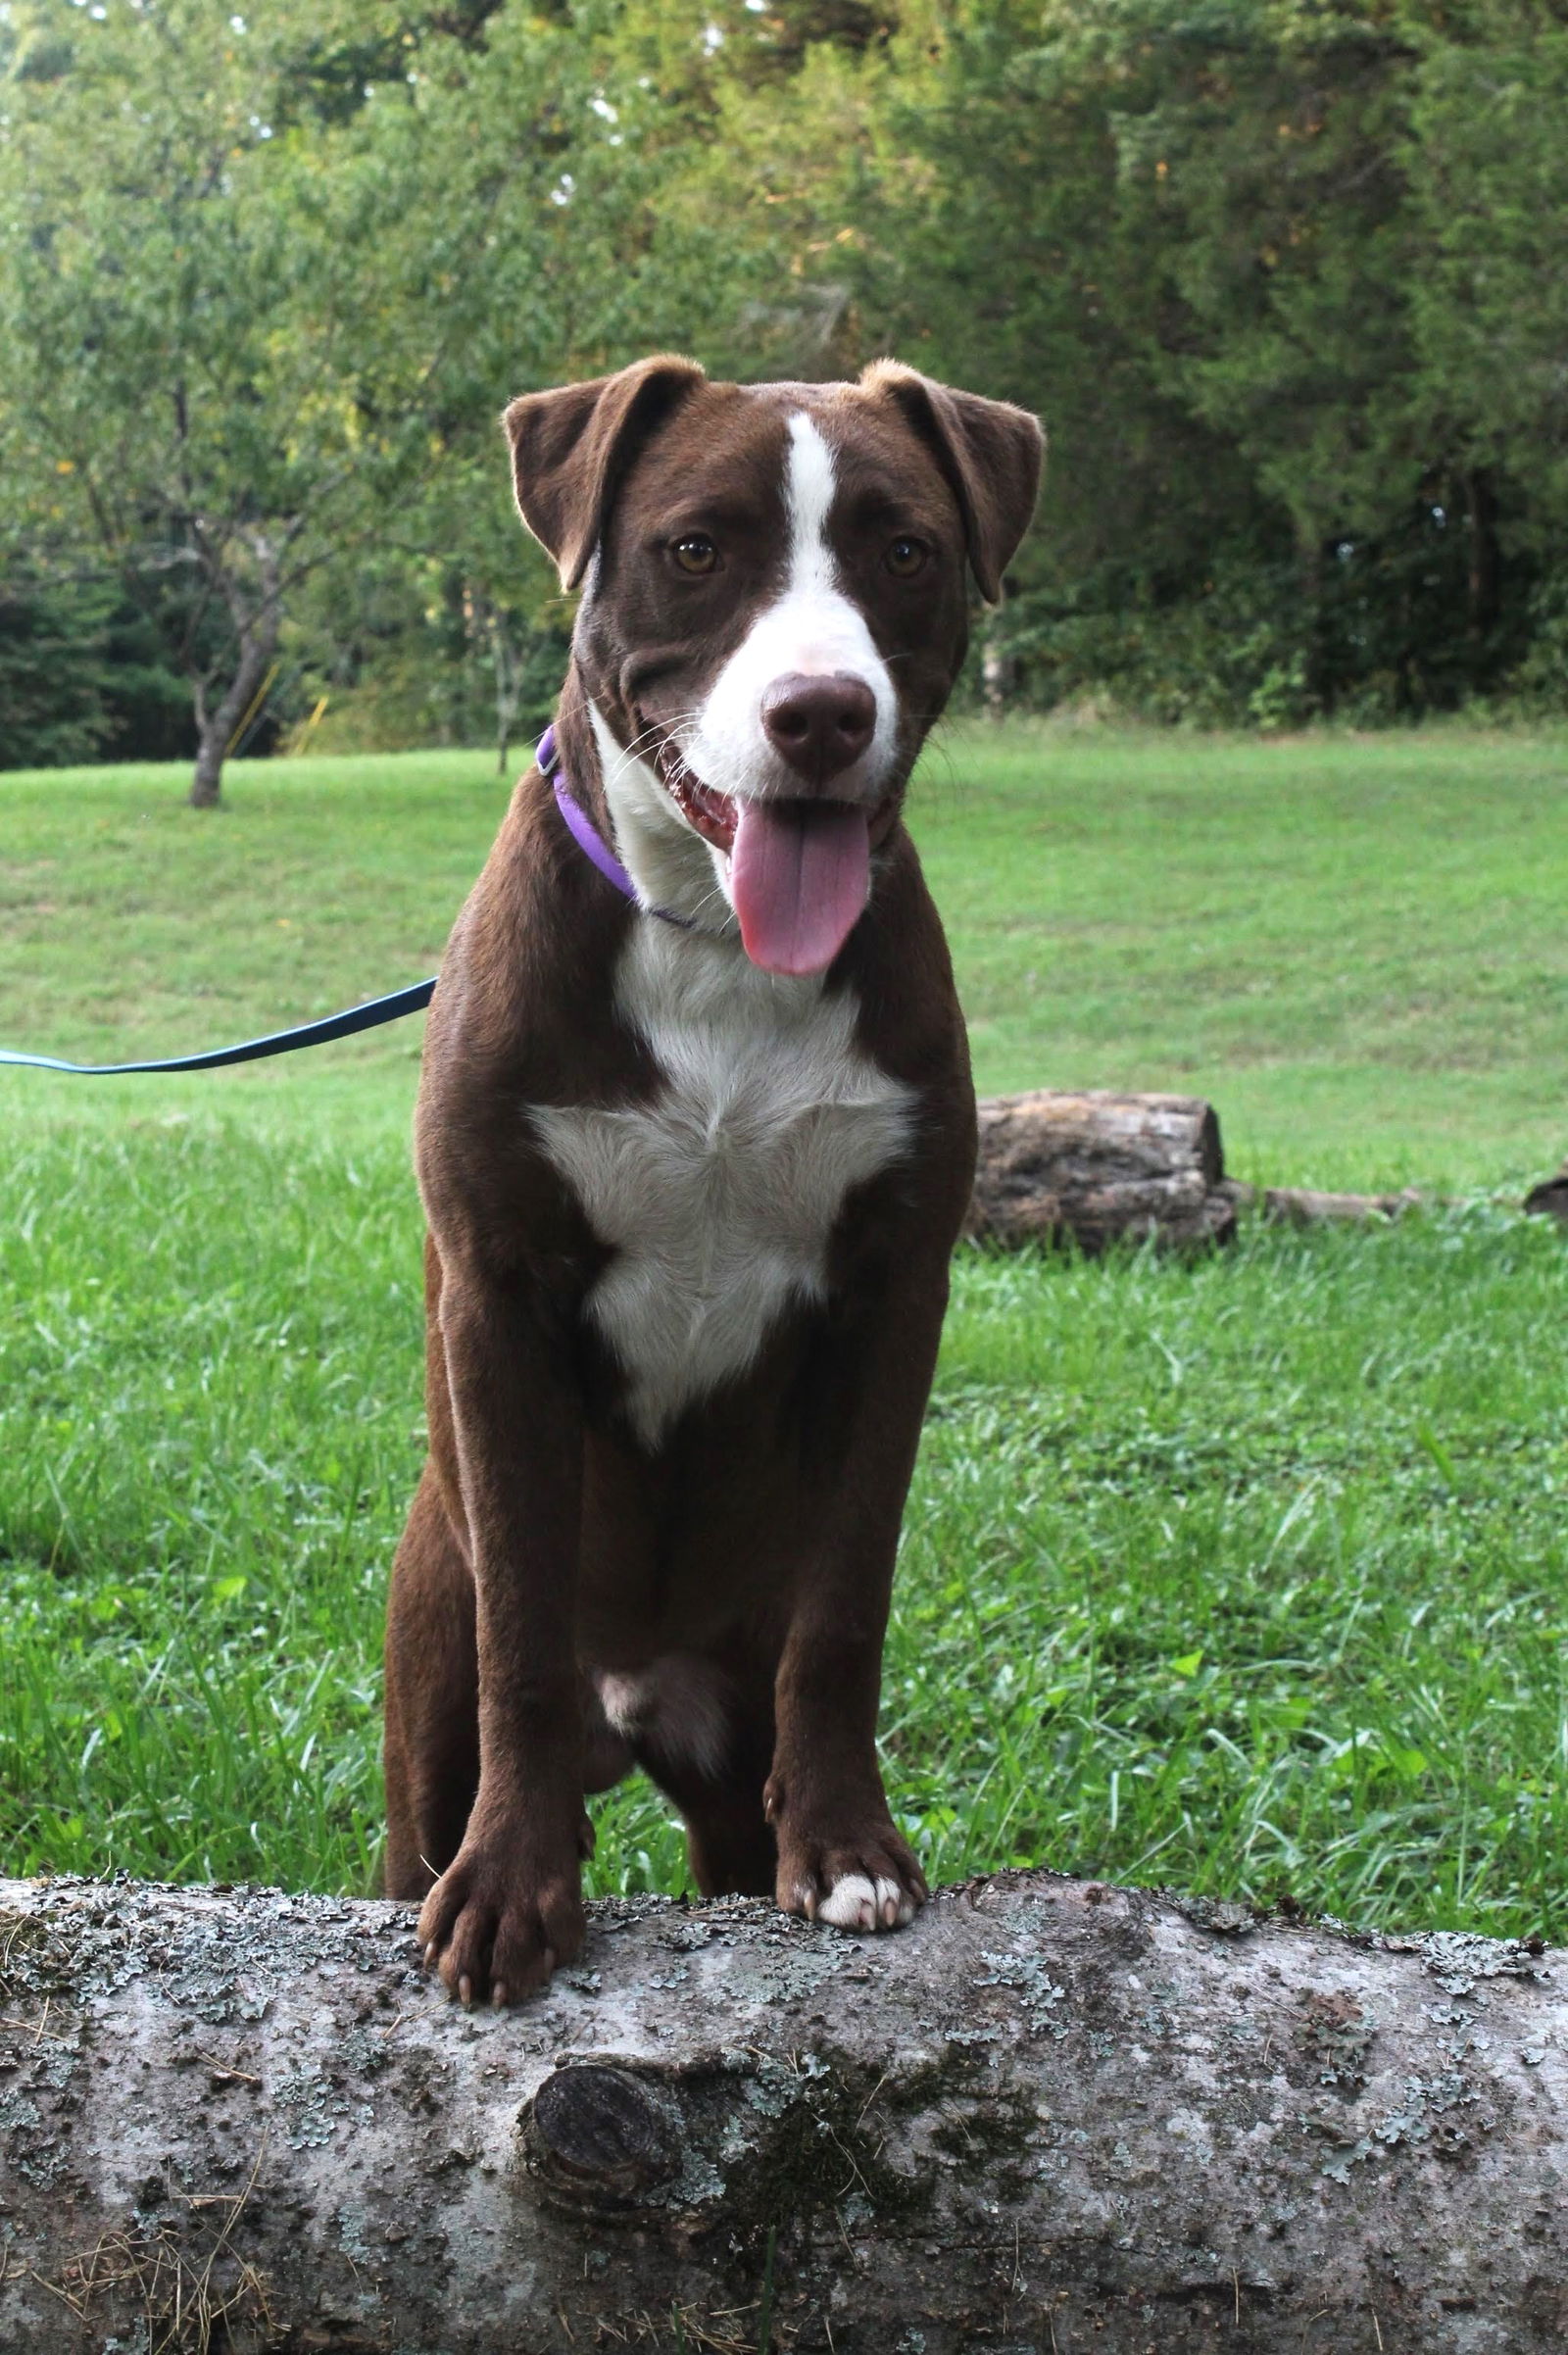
(1286, 278)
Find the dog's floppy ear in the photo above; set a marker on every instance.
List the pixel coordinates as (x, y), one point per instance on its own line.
(570, 447)
(990, 452)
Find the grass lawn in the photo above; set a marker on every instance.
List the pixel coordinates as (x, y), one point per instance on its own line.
(1246, 1574)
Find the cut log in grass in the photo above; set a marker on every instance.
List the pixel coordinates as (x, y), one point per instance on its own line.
(1098, 1166)
(1050, 2116)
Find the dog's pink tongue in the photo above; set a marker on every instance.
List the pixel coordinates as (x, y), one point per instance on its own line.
(799, 875)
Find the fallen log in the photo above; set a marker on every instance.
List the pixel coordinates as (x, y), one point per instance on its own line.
(1098, 1166)
(1307, 1206)
(1050, 2116)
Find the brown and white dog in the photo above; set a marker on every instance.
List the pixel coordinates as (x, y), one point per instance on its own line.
(693, 1163)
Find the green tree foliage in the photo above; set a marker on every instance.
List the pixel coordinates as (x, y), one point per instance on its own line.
(187, 317)
(85, 672)
(55, 673)
(1202, 241)
(1286, 278)
(1488, 172)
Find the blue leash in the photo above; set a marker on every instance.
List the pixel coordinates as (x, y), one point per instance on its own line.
(278, 1042)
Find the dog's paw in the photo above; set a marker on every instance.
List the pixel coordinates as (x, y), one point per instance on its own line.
(494, 1930)
(868, 1883)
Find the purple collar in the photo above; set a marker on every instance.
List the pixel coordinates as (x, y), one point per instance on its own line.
(586, 834)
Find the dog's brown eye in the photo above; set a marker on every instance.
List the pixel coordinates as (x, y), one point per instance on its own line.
(906, 558)
(696, 553)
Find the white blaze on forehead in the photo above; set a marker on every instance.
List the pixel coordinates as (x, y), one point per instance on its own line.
(813, 627)
(809, 483)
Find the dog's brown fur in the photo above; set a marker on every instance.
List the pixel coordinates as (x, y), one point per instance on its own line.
(757, 1543)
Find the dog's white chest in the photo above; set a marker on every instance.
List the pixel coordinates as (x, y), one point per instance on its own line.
(718, 1195)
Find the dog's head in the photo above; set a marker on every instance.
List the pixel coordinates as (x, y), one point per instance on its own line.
(774, 612)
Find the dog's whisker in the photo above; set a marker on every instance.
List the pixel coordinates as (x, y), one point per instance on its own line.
(631, 754)
(714, 897)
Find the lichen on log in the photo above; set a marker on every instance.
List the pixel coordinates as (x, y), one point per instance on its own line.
(1049, 2116)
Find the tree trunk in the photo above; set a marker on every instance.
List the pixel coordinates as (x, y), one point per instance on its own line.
(1050, 2116)
(998, 664)
(1484, 570)
(508, 673)
(206, 791)
(256, 627)
(1310, 574)
(214, 730)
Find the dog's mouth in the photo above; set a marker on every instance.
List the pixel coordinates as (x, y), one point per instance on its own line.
(707, 812)
(800, 869)
(714, 815)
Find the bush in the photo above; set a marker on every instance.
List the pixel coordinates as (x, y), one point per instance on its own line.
(55, 675)
(1538, 685)
(1370, 632)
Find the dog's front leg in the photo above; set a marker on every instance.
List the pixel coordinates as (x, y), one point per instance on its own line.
(508, 1908)
(840, 1858)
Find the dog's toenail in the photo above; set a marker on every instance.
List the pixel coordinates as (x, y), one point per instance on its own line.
(466, 1991)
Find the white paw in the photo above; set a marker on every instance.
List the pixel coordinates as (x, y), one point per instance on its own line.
(856, 1903)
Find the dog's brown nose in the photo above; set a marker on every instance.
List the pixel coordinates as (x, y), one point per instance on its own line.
(819, 723)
